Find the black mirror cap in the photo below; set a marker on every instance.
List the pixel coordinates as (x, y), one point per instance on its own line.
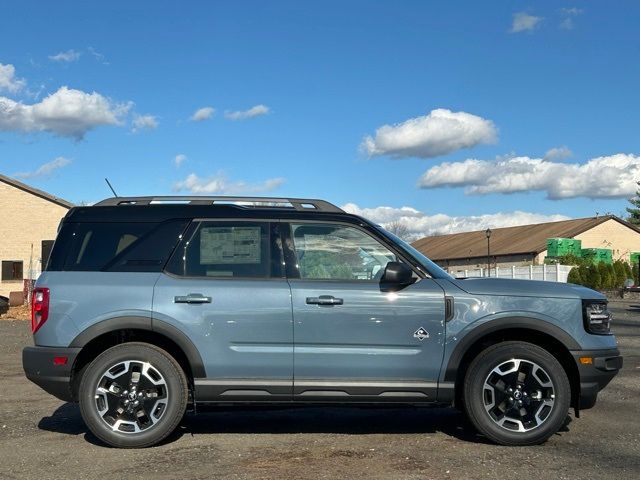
(398, 274)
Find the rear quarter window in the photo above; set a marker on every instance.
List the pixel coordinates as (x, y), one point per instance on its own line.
(116, 247)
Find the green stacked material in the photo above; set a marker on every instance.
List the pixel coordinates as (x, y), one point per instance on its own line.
(598, 255)
(559, 247)
(635, 258)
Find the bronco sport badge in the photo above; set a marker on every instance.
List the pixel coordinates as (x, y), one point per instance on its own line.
(421, 334)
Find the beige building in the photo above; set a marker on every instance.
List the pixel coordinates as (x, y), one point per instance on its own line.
(527, 244)
(29, 219)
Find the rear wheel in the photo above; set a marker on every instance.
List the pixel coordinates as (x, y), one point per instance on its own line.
(133, 395)
(516, 393)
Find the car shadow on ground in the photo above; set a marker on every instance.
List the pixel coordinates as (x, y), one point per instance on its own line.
(291, 420)
(66, 419)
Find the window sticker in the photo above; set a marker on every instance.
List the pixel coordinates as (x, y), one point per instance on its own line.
(230, 245)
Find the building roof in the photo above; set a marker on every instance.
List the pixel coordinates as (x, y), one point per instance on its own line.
(524, 239)
(34, 191)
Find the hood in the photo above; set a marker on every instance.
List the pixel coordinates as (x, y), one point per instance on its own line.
(525, 288)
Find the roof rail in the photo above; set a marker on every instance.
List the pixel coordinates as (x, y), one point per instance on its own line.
(300, 204)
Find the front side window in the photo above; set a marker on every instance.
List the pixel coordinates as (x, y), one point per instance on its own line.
(225, 249)
(338, 252)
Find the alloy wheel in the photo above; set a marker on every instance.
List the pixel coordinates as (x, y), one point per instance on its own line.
(518, 395)
(131, 396)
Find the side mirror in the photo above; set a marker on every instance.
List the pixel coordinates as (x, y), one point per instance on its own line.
(396, 275)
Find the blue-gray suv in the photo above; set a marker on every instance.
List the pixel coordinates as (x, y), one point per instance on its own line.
(151, 304)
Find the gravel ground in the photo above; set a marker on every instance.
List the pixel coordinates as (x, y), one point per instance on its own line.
(42, 437)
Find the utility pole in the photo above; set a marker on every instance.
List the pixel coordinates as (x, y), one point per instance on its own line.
(30, 279)
(488, 234)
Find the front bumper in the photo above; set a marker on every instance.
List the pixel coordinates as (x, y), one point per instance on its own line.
(596, 375)
(39, 367)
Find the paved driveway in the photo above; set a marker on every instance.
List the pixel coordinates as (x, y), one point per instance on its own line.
(41, 437)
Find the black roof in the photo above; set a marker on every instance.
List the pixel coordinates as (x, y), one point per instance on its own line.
(158, 209)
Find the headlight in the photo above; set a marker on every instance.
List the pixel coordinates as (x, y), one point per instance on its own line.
(597, 318)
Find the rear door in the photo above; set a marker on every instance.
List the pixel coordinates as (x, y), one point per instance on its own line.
(354, 340)
(225, 288)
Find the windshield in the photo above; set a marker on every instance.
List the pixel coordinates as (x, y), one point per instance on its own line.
(432, 268)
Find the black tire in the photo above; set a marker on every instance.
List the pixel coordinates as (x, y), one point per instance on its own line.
(485, 403)
(162, 377)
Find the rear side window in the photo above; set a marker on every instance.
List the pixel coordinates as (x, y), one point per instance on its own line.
(230, 249)
(116, 247)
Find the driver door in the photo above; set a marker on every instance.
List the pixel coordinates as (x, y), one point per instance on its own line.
(353, 340)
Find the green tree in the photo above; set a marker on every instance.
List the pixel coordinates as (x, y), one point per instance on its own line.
(613, 278)
(634, 209)
(568, 260)
(584, 273)
(593, 279)
(621, 276)
(628, 273)
(575, 276)
(605, 277)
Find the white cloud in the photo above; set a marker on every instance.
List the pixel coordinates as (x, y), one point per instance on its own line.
(558, 153)
(253, 112)
(220, 185)
(8, 80)
(97, 55)
(144, 122)
(46, 169)
(179, 159)
(67, 112)
(567, 23)
(419, 224)
(572, 11)
(439, 133)
(613, 176)
(68, 56)
(203, 113)
(523, 22)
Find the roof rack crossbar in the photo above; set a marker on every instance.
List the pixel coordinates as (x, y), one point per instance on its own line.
(300, 204)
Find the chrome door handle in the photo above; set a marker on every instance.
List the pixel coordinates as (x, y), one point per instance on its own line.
(192, 298)
(324, 300)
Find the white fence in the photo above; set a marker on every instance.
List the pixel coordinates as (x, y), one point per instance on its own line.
(549, 273)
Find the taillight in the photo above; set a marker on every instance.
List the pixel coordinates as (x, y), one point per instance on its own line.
(39, 308)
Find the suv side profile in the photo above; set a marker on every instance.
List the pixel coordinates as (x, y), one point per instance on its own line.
(150, 304)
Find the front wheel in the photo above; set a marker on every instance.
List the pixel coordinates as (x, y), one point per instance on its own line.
(516, 393)
(133, 395)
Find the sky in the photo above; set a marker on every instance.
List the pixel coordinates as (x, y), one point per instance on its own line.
(447, 116)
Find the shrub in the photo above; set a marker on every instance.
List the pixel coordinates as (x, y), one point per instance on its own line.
(605, 278)
(584, 273)
(613, 283)
(568, 260)
(599, 276)
(575, 276)
(627, 271)
(593, 279)
(618, 267)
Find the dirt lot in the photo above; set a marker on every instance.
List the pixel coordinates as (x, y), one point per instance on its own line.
(41, 437)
